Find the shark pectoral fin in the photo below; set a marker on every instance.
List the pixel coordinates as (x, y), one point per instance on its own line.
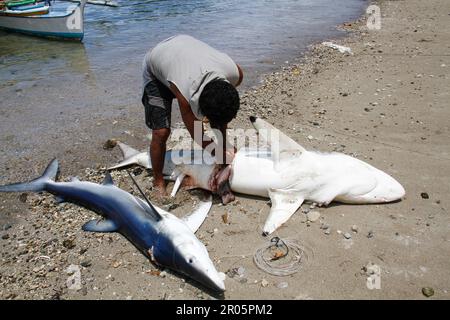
(285, 203)
(108, 181)
(196, 218)
(124, 163)
(177, 184)
(100, 226)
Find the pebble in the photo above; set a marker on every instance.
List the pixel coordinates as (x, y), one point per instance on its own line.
(290, 112)
(23, 197)
(424, 195)
(313, 216)
(355, 228)
(69, 244)
(347, 235)
(225, 218)
(5, 236)
(163, 274)
(370, 234)
(282, 285)
(86, 263)
(6, 226)
(264, 283)
(427, 292)
(240, 271)
(324, 226)
(327, 231)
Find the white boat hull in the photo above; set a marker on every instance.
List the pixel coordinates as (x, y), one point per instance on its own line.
(68, 26)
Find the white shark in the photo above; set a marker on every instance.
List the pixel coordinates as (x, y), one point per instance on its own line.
(288, 174)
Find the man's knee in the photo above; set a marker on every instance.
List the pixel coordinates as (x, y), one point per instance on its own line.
(160, 135)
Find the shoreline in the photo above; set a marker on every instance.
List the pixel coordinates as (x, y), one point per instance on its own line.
(380, 104)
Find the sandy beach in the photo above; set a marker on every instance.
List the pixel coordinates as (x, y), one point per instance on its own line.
(386, 104)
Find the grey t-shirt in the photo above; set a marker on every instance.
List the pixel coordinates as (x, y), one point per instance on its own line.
(189, 64)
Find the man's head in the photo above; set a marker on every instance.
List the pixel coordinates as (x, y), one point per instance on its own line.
(219, 102)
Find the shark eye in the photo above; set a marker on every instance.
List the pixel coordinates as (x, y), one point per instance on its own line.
(191, 260)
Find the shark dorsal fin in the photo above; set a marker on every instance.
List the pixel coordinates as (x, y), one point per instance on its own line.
(147, 205)
(273, 136)
(108, 181)
(127, 151)
(282, 146)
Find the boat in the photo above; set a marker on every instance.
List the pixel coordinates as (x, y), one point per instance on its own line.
(17, 3)
(54, 24)
(29, 10)
(108, 3)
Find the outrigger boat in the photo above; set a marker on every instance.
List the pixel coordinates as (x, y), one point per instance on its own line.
(53, 24)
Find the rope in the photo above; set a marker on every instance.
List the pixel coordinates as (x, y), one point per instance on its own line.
(280, 257)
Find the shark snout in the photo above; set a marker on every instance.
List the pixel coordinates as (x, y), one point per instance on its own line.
(212, 280)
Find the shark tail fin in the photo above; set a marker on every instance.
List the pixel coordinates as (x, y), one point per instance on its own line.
(35, 185)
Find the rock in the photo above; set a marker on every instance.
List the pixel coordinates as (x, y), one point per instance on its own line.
(282, 285)
(313, 216)
(109, 144)
(370, 234)
(327, 231)
(23, 197)
(240, 271)
(86, 263)
(290, 112)
(347, 235)
(324, 226)
(225, 218)
(355, 228)
(69, 244)
(137, 171)
(428, 292)
(163, 274)
(264, 283)
(424, 195)
(5, 236)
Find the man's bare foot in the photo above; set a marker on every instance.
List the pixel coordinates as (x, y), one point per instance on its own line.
(160, 188)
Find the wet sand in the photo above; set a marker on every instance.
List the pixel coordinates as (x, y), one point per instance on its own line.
(386, 104)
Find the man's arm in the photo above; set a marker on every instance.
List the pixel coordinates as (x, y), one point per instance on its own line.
(188, 116)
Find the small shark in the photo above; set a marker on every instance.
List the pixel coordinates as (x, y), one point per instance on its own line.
(167, 240)
(288, 174)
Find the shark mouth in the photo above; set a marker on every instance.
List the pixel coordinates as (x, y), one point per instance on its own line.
(223, 185)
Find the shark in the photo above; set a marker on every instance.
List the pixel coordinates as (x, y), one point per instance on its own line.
(286, 173)
(165, 239)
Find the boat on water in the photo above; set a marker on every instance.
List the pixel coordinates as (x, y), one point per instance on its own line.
(57, 22)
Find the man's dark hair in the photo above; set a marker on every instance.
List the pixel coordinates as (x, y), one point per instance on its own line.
(219, 102)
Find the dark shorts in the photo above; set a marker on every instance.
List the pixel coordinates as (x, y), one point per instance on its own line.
(157, 100)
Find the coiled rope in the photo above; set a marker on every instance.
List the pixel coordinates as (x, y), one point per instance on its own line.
(280, 257)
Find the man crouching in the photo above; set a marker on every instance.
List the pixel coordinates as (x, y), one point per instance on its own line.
(202, 79)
